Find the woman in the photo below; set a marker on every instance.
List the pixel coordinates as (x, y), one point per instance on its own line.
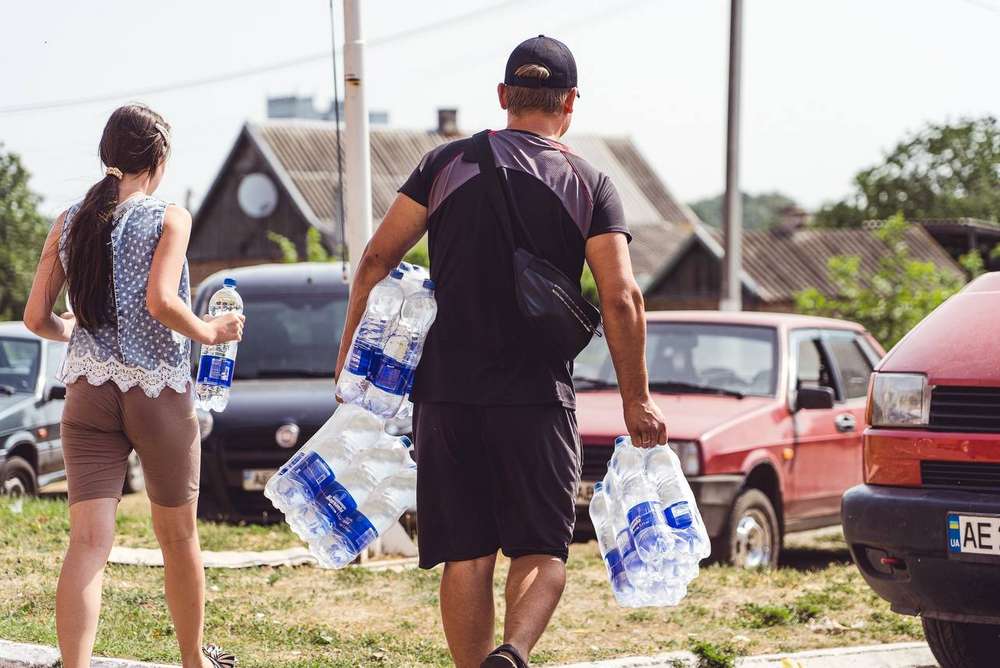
(127, 370)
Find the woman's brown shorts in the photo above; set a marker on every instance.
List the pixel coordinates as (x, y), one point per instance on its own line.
(101, 425)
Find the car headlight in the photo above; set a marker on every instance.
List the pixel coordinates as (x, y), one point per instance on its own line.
(688, 453)
(900, 400)
(287, 435)
(205, 422)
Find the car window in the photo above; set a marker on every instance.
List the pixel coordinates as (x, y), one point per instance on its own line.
(812, 369)
(855, 369)
(53, 362)
(738, 358)
(19, 364)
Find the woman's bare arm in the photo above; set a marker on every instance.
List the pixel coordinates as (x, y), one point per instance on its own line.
(162, 299)
(48, 282)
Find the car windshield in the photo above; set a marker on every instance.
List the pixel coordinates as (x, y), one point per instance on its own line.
(291, 336)
(18, 365)
(685, 357)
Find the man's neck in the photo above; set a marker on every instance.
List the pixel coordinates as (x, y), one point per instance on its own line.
(545, 125)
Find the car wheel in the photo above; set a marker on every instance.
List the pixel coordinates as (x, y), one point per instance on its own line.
(960, 645)
(135, 480)
(18, 478)
(752, 537)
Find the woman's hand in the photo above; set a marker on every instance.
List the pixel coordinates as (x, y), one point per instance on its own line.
(223, 328)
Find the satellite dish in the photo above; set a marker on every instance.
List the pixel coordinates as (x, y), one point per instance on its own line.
(257, 195)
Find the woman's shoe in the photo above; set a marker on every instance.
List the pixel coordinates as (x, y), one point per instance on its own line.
(505, 656)
(218, 657)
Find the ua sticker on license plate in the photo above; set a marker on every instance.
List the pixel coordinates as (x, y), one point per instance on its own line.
(255, 479)
(973, 534)
(584, 493)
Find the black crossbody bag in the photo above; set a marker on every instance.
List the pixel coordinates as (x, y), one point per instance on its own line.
(550, 302)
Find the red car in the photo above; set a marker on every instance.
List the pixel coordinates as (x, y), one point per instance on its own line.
(764, 410)
(924, 528)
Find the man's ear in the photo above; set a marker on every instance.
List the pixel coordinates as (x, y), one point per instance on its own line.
(502, 95)
(570, 99)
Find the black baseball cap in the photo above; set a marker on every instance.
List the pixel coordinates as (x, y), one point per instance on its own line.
(542, 50)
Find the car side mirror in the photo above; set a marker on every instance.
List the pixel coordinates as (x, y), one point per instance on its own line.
(813, 398)
(55, 393)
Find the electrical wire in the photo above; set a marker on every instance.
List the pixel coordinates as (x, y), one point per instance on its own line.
(251, 71)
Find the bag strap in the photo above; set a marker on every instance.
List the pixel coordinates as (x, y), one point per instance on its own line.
(495, 190)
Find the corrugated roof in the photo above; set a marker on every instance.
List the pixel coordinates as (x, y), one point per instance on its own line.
(783, 263)
(306, 152)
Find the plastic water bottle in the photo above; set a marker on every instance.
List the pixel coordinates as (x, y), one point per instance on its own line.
(354, 531)
(393, 378)
(663, 469)
(600, 517)
(218, 362)
(384, 303)
(644, 511)
(350, 488)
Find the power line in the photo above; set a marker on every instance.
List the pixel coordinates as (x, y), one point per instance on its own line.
(252, 71)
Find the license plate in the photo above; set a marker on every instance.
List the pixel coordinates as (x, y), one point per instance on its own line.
(584, 493)
(973, 534)
(255, 479)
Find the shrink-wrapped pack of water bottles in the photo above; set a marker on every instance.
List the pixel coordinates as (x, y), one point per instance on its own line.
(649, 529)
(353, 479)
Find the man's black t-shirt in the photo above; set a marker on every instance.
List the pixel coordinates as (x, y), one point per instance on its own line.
(478, 351)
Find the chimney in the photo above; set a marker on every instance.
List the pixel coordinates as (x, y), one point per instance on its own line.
(448, 122)
(791, 219)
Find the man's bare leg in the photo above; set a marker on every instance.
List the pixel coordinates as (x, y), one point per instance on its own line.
(535, 584)
(467, 609)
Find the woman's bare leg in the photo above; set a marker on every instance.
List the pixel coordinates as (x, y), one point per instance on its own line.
(78, 594)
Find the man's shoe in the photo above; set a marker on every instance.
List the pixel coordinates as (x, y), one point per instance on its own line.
(504, 656)
(218, 657)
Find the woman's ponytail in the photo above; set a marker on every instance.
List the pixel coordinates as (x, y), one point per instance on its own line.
(134, 142)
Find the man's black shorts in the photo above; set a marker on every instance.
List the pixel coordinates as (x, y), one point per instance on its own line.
(495, 477)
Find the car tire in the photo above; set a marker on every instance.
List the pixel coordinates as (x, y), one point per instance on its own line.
(752, 535)
(18, 478)
(135, 479)
(961, 645)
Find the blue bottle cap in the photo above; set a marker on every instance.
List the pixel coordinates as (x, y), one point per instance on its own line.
(396, 273)
(598, 486)
(405, 440)
(620, 440)
(428, 284)
(404, 266)
(229, 282)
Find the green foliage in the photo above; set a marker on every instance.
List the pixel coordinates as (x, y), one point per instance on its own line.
(588, 285)
(419, 254)
(942, 171)
(315, 251)
(759, 211)
(286, 247)
(892, 300)
(710, 655)
(22, 235)
(762, 616)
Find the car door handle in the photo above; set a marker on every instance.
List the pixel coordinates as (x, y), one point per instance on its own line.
(845, 422)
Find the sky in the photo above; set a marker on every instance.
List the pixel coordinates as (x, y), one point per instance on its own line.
(829, 85)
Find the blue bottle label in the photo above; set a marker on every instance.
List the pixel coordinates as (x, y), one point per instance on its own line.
(356, 529)
(393, 376)
(642, 516)
(363, 359)
(678, 515)
(614, 561)
(335, 500)
(217, 371)
(313, 472)
(626, 544)
(292, 463)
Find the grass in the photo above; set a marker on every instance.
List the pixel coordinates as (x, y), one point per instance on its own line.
(306, 617)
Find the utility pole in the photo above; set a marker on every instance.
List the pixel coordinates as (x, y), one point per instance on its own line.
(356, 193)
(731, 295)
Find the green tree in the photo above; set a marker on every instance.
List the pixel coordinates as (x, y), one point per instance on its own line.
(419, 254)
(942, 171)
(315, 251)
(892, 300)
(22, 235)
(760, 211)
(286, 247)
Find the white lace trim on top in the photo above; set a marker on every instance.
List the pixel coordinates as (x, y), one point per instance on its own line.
(152, 382)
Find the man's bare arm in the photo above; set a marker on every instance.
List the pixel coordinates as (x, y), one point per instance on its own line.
(624, 317)
(401, 228)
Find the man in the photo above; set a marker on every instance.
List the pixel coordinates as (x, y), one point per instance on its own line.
(498, 451)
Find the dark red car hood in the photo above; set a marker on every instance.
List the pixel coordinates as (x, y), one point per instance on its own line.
(689, 416)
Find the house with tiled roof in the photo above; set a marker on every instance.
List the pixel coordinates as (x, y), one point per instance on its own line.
(281, 176)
